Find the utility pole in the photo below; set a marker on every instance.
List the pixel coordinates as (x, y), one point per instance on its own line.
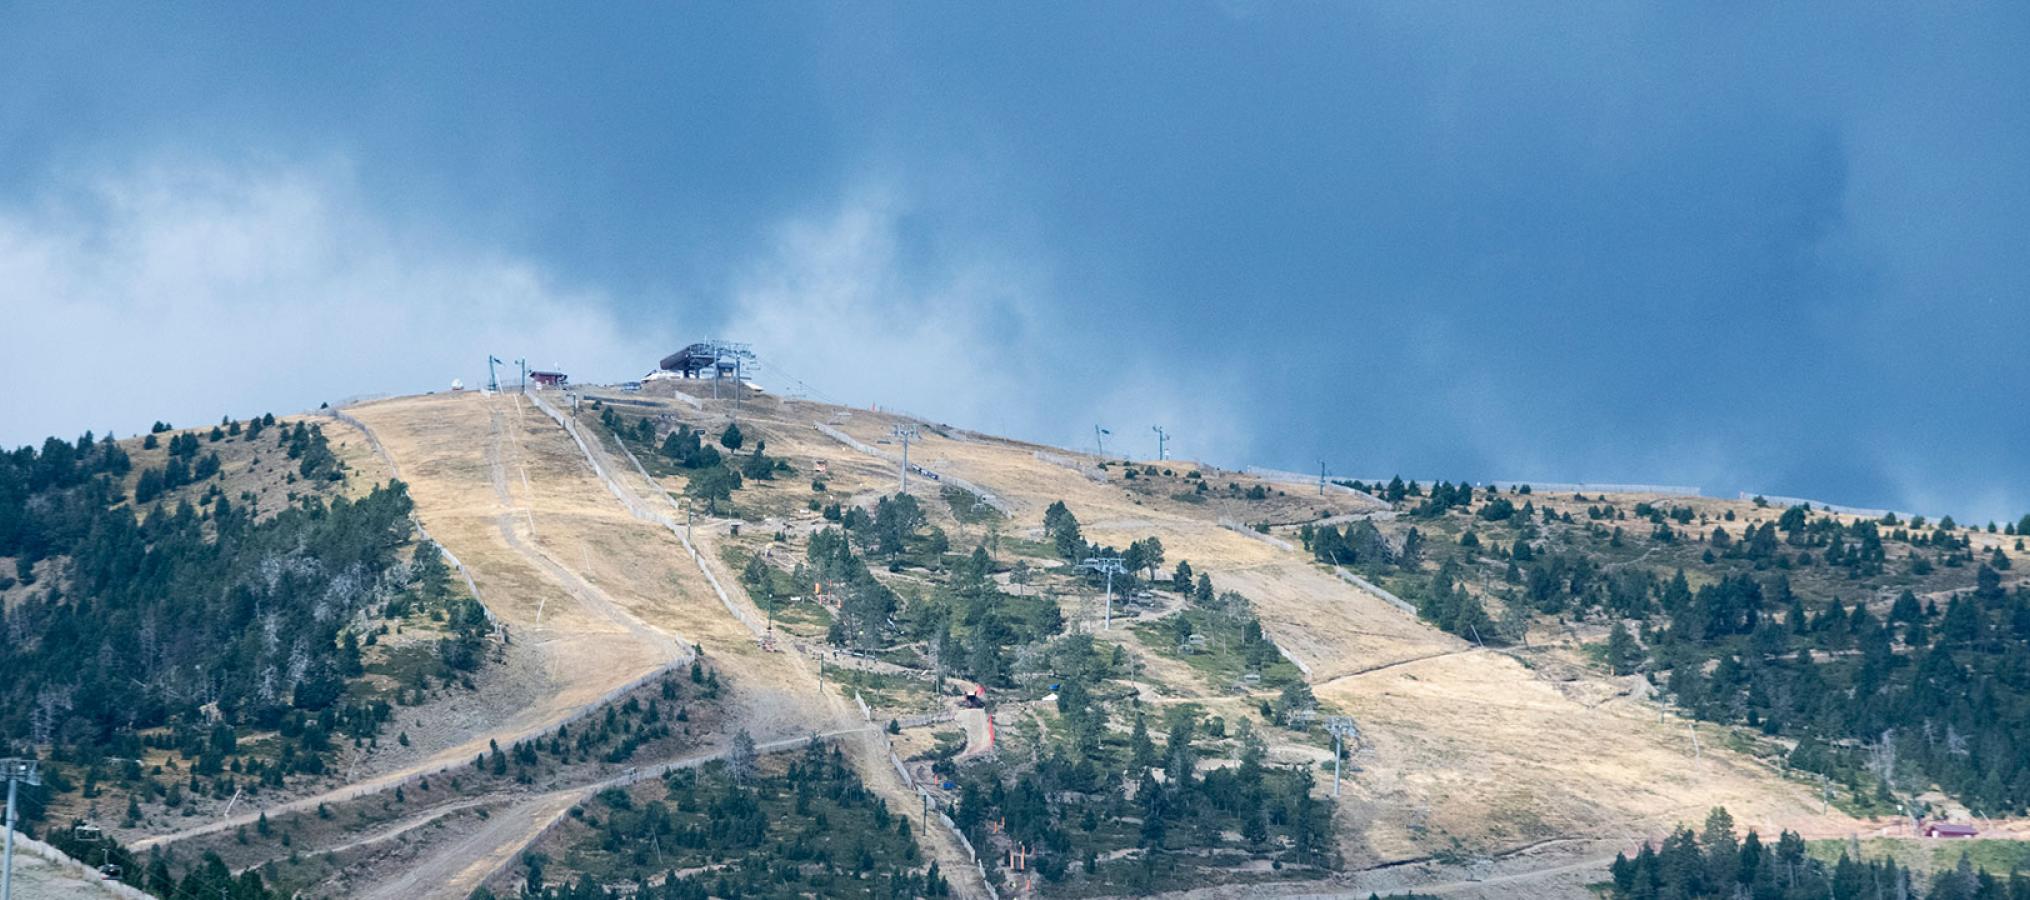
(1109, 565)
(492, 381)
(523, 387)
(1342, 727)
(1161, 438)
(15, 771)
(1321, 478)
(905, 434)
(1099, 440)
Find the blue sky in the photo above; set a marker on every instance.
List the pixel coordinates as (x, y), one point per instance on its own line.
(1712, 244)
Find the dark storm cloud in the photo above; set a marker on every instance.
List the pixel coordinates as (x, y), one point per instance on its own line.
(1716, 244)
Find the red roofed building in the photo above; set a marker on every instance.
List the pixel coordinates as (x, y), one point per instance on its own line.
(1949, 830)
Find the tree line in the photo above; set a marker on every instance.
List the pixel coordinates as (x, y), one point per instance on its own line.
(1714, 863)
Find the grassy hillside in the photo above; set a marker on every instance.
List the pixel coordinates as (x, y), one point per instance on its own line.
(203, 615)
(1887, 655)
(1106, 794)
(1162, 732)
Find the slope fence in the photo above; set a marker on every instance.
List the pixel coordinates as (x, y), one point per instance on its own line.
(1553, 487)
(75, 868)
(1375, 589)
(1588, 487)
(986, 496)
(1286, 477)
(931, 802)
(1862, 511)
(635, 507)
(396, 470)
(1092, 472)
(1240, 527)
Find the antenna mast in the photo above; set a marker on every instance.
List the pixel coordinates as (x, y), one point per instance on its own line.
(492, 382)
(1161, 438)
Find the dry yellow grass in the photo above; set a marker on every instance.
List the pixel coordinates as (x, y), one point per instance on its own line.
(493, 496)
(1462, 745)
(1473, 746)
(1467, 749)
(606, 595)
(1328, 626)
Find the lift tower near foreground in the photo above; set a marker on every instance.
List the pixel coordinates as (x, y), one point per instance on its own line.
(17, 772)
(1112, 566)
(905, 434)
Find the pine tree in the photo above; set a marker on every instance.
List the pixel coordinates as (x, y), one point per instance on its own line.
(758, 466)
(1723, 859)
(740, 759)
(1622, 653)
(1180, 762)
(1141, 751)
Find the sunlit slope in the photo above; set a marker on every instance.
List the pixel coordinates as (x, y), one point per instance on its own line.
(591, 573)
(1461, 743)
(1463, 747)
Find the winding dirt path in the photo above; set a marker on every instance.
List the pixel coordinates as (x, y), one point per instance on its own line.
(462, 865)
(585, 664)
(791, 680)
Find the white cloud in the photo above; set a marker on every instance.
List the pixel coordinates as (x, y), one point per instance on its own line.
(961, 330)
(833, 304)
(191, 292)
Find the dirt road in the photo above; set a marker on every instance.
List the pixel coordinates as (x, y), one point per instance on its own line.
(1462, 745)
(593, 647)
(461, 865)
(979, 726)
